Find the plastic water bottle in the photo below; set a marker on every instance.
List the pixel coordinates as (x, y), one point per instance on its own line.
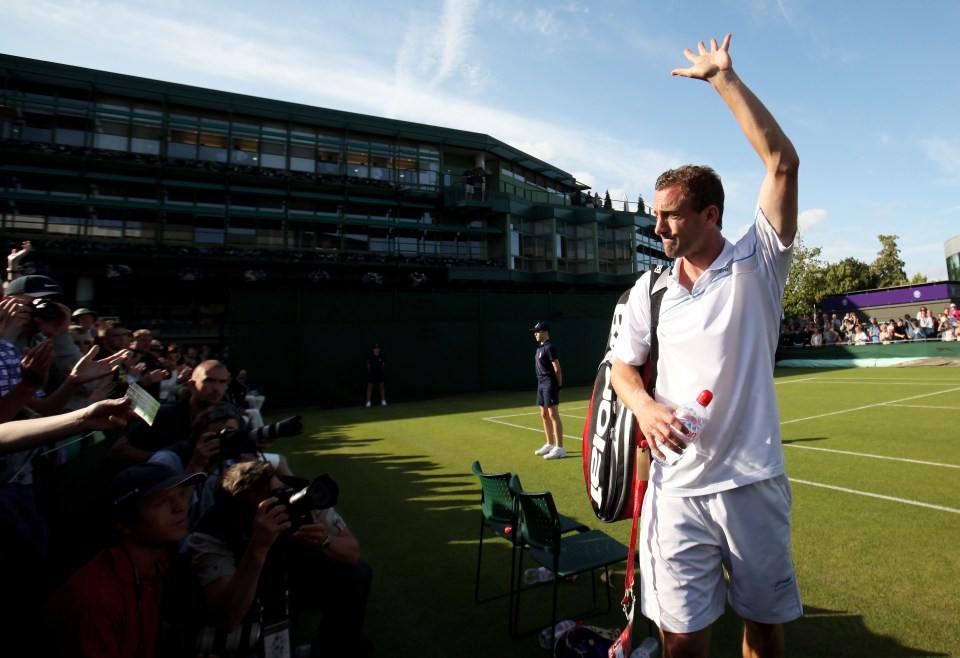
(549, 639)
(531, 576)
(691, 416)
(535, 575)
(649, 648)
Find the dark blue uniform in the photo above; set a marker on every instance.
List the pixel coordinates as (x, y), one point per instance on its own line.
(548, 389)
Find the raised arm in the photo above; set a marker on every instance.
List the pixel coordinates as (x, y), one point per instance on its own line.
(778, 193)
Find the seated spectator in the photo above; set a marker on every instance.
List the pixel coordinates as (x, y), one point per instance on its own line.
(873, 331)
(928, 323)
(899, 333)
(111, 606)
(251, 566)
(947, 331)
(885, 338)
(829, 334)
(915, 332)
(816, 338)
(860, 336)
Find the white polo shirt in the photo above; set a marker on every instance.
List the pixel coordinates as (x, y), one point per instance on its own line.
(721, 336)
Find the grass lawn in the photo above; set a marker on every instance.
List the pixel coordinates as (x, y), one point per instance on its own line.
(874, 460)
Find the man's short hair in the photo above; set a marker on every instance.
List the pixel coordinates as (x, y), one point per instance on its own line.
(247, 478)
(700, 185)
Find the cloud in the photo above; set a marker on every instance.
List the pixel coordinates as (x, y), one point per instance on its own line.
(810, 218)
(944, 152)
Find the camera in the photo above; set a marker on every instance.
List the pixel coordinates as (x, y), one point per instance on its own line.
(44, 309)
(234, 442)
(321, 493)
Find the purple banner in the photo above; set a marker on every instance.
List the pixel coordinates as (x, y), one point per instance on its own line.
(919, 294)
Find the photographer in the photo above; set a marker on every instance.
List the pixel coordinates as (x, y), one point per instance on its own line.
(40, 315)
(251, 566)
(217, 441)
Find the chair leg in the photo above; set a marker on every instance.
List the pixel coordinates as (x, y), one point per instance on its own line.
(476, 591)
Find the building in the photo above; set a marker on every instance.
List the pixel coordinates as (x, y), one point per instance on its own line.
(951, 250)
(129, 185)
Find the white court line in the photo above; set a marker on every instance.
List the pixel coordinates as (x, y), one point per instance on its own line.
(493, 419)
(868, 406)
(882, 497)
(863, 454)
(923, 406)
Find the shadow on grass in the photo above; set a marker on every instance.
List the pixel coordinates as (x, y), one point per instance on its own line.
(823, 632)
(805, 440)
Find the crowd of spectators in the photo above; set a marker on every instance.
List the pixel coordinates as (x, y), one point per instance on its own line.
(821, 330)
(174, 537)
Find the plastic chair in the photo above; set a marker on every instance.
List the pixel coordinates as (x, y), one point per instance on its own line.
(498, 514)
(565, 555)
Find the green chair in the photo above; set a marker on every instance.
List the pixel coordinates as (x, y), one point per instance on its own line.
(498, 512)
(498, 515)
(565, 555)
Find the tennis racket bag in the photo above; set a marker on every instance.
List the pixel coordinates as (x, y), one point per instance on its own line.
(610, 438)
(612, 457)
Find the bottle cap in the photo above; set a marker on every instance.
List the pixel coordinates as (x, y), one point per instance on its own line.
(704, 398)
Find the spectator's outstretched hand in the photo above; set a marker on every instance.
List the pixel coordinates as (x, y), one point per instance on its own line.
(14, 315)
(16, 255)
(107, 415)
(707, 64)
(35, 364)
(103, 389)
(87, 369)
(153, 377)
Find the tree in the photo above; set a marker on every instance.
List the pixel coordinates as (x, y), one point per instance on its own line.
(887, 269)
(607, 202)
(848, 275)
(917, 279)
(804, 281)
(641, 208)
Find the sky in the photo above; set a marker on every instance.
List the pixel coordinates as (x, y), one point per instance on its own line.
(867, 90)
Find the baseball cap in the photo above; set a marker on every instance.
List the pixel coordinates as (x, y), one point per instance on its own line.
(145, 479)
(83, 310)
(35, 285)
(541, 326)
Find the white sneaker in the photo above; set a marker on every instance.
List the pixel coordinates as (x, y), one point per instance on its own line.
(368, 403)
(544, 450)
(383, 403)
(556, 453)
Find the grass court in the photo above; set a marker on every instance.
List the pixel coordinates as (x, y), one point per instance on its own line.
(873, 457)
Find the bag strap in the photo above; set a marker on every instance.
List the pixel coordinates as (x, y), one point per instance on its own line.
(658, 286)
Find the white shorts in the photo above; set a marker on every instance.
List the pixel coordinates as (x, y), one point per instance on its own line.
(687, 544)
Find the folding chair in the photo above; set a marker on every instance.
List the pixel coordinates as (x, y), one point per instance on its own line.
(565, 555)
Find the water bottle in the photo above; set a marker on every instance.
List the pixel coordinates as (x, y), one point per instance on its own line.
(692, 416)
(548, 639)
(531, 576)
(647, 649)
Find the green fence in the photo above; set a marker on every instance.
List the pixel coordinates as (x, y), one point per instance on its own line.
(309, 348)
